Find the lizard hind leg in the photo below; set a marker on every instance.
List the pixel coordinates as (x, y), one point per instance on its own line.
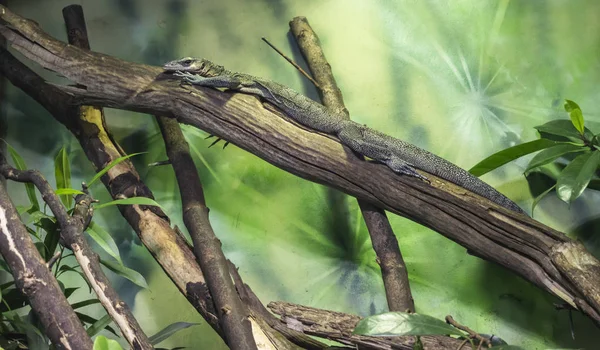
(404, 168)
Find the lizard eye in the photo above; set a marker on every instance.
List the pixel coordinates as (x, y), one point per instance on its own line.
(187, 62)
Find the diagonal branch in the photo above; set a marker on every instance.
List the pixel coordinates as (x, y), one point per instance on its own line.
(232, 313)
(536, 252)
(385, 244)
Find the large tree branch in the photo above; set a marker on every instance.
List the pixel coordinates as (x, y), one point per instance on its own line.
(540, 254)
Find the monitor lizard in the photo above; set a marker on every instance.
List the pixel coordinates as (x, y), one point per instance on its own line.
(402, 157)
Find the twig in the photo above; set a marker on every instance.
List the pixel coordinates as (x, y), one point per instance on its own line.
(292, 63)
(53, 259)
(385, 244)
(34, 280)
(472, 333)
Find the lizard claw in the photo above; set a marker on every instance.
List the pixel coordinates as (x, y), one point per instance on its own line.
(404, 168)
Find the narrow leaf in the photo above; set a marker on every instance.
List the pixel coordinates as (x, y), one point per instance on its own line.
(62, 173)
(84, 303)
(169, 331)
(29, 187)
(401, 323)
(104, 240)
(540, 197)
(550, 154)
(575, 177)
(129, 201)
(67, 191)
(90, 320)
(576, 115)
(498, 159)
(99, 325)
(103, 343)
(110, 165)
(126, 272)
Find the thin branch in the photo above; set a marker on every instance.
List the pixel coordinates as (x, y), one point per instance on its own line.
(232, 313)
(472, 333)
(34, 279)
(302, 71)
(71, 236)
(338, 326)
(385, 244)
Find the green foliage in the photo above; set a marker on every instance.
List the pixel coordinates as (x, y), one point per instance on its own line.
(169, 331)
(129, 201)
(62, 173)
(45, 233)
(103, 343)
(99, 325)
(557, 139)
(508, 155)
(104, 240)
(126, 272)
(19, 163)
(575, 114)
(109, 166)
(402, 323)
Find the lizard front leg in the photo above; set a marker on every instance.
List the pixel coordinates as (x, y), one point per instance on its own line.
(220, 81)
(362, 140)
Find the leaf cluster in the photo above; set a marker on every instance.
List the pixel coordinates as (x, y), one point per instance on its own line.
(559, 139)
(19, 327)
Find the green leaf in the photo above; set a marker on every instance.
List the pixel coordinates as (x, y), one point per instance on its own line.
(126, 272)
(110, 165)
(169, 331)
(84, 303)
(4, 267)
(103, 343)
(67, 191)
(29, 187)
(539, 198)
(561, 127)
(575, 177)
(576, 115)
(129, 201)
(507, 347)
(69, 291)
(49, 225)
(104, 240)
(550, 154)
(62, 173)
(500, 158)
(98, 325)
(401, 323)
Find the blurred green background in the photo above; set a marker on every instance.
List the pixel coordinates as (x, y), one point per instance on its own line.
(461, 78)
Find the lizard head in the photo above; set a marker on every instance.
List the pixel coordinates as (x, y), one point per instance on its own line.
(185, 64)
